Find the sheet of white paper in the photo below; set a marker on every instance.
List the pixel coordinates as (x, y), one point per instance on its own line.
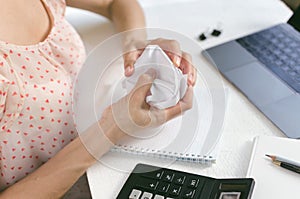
(169, 85)
(272, 181)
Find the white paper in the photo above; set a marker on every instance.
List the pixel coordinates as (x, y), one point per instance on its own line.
(272, 181)
(170, 84)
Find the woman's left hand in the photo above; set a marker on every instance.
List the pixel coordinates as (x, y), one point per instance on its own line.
(180, 59)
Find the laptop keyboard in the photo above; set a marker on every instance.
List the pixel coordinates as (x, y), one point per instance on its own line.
(278, 48)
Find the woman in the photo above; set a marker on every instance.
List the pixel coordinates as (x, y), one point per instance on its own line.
(40, 56)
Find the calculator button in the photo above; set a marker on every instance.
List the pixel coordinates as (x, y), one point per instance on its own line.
(155, 174)
(168, 176)
(147, 195)
(159, 197)
(193, 183)
(146, 183)
(179, 179)
(175, 190)
(163, 187)
(135, 194)
(189, 193)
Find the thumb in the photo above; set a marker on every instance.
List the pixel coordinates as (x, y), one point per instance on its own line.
(144, 83)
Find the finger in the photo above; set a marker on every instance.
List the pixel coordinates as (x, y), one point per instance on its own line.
(129, 61)
(171, 48)
(185, 104)
(173, 51)
(142, 87)
(187, 68)
(175, 57)
(194, 76)
(185, 64)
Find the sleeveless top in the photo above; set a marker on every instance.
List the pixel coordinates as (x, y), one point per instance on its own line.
(36, 97)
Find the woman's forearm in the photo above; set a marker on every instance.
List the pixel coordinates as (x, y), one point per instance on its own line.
(127, 15)
(54, 178)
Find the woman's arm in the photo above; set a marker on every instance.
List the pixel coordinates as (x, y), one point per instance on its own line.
(54, 178)
(126, 14)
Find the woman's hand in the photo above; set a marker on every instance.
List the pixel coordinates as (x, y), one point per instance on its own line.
(180, 59)
(132, 114)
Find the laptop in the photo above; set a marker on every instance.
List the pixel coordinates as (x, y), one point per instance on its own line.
(265, 66)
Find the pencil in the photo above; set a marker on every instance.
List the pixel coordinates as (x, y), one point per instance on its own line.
(282, 159)
(287, 165)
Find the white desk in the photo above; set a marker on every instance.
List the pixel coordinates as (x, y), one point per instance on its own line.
(191, 17)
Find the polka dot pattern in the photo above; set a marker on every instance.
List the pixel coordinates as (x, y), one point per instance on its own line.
(36, 97)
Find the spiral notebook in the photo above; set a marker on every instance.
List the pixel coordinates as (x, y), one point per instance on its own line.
(192, 137)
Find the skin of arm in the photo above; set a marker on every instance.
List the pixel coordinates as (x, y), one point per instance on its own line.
(54, 178)
(126, 14)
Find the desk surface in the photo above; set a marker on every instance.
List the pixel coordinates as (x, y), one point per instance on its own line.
(243, 121)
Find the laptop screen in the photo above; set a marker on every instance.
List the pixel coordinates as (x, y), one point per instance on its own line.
(295, 19)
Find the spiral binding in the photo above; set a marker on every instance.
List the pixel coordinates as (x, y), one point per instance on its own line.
(186, 157)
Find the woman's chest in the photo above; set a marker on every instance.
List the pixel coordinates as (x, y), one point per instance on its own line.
(24, 22)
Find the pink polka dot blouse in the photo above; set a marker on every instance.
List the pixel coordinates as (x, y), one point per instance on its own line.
(35, 97)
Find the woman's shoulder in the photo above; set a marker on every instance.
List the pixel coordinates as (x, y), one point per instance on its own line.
(57, 6)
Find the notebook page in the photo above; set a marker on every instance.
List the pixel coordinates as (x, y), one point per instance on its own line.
(272, 181)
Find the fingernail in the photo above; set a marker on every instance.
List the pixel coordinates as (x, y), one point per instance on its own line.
(128, 70)
(191, 77)
(177, 60)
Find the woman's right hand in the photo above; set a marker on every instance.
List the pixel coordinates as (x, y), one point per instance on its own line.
(132, 113)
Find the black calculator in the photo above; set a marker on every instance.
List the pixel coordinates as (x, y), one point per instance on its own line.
(151, 182)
